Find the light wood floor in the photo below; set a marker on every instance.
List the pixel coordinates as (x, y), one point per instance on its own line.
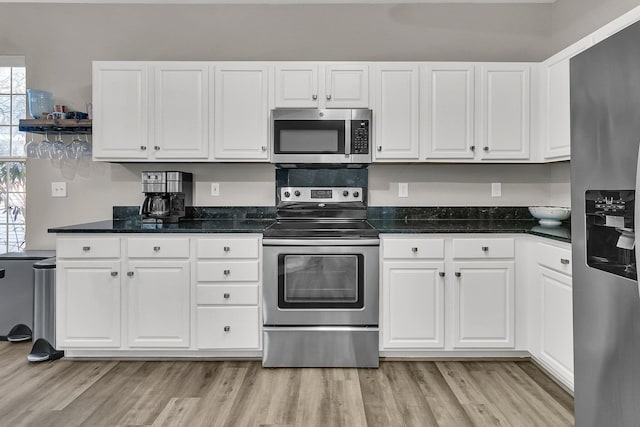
(194, 393)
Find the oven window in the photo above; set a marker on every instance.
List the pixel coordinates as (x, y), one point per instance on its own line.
(320, 281)
(309, 137)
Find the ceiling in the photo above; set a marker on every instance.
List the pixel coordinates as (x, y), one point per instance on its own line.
(274, 1)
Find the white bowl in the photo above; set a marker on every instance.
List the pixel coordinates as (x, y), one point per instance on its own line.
(550, 216)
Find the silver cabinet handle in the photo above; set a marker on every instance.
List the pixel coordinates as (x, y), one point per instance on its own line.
(227, 328)
(314, 97)
(485, 249)
(86, 248)
(130, 273)
(227, 272)
(564, 261)
(114, 274)
(226, 296)
(441, 274)
(156, 147)
(485, 148)
(143, 147)
(328, 97)
(458, 274)
(226, 248)
(379, 147)
(472, 148)
(264, 148)
(414, 250)
(156, 248)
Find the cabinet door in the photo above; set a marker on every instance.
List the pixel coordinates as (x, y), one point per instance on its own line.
(120, 109)
(181, 111)
(296, 85)
(504, 111)
(396, 112)
(87, 304)
(158, 298)
(557, 321)
(447, 111)
(241, 113)
(483, 299)
(347, 86)
(413, 305)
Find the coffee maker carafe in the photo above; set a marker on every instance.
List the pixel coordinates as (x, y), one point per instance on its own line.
(166, 195)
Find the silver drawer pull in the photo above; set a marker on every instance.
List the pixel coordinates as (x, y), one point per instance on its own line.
(328, 97)
(114, 274)
(564, 261)
(472, 148)
(485, 148)
(143, 147)
(130, 273)
(227, 328)
(86, 248)
(441, 274)
(458, 274)
(414, 250)
(485, 248)
(264, 148)
(226, 296)
(379, 147)
(156, 248)
(226, 248)
(227, 272)
(156, 147)
(314, 97)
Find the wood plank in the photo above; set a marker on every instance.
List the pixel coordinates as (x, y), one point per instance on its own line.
(547, 384)
(177, 412)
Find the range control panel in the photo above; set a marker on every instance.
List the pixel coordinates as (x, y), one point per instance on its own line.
(359, 136)
(321, 194)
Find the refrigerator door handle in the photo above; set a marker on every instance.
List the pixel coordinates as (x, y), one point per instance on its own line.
(636, 214)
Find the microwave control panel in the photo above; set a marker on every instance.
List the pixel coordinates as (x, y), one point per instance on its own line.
(359, 136)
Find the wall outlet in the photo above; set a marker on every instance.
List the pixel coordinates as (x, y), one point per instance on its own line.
(215, 189)
(58, 189)
(496, 189)
(403, 189)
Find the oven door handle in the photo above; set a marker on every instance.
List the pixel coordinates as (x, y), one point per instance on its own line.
(320, 242)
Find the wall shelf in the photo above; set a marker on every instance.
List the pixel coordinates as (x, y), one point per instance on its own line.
(64, 126)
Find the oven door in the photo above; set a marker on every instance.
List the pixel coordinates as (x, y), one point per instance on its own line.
(320, 285)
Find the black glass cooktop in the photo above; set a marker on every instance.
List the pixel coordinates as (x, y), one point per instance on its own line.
(320, 228)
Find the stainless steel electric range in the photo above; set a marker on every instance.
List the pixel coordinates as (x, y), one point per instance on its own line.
(320, 289)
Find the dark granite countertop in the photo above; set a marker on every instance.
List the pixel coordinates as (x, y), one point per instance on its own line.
(385, 219)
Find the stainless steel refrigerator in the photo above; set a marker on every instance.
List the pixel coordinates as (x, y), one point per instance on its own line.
(605, 137)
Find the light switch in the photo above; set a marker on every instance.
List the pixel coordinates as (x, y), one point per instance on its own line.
(496, 189)
(403, 189)
(215, 189)
(58, 189)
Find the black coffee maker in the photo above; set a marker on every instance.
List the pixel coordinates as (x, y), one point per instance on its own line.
(167, 194)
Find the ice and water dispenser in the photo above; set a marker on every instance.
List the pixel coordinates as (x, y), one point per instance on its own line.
(610, 236)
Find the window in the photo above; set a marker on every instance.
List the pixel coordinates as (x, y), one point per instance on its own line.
(13, 107)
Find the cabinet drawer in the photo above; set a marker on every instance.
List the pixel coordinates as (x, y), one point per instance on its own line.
(413, 248)
(555, 258)
(228, 295)
(90, 247)
(158, 248)
(228, 327)
(226, 271)
(483, 248)
(228, 248)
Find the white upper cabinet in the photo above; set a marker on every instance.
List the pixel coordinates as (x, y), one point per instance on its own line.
(447, 111)
(121, 110)
(503, 111)
(317, 85)
(150, 111)
(241, 113)
(181, 111)
(555, 102)
(396, 112)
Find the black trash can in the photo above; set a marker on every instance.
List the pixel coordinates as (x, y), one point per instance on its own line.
(44, 312)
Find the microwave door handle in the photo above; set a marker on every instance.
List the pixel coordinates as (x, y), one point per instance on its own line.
(347, 137)
(636, 214)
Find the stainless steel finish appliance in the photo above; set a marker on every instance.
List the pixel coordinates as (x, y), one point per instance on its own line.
(44, 312)
(167, 193)
(605, 135)
(320, 288)
(328, 137)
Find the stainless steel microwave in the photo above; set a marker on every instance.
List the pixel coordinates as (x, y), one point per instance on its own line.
(324, 137)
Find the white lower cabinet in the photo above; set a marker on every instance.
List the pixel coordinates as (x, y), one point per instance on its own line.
(413, 304)
(87, 303)
(483, 301)
(158, 303)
